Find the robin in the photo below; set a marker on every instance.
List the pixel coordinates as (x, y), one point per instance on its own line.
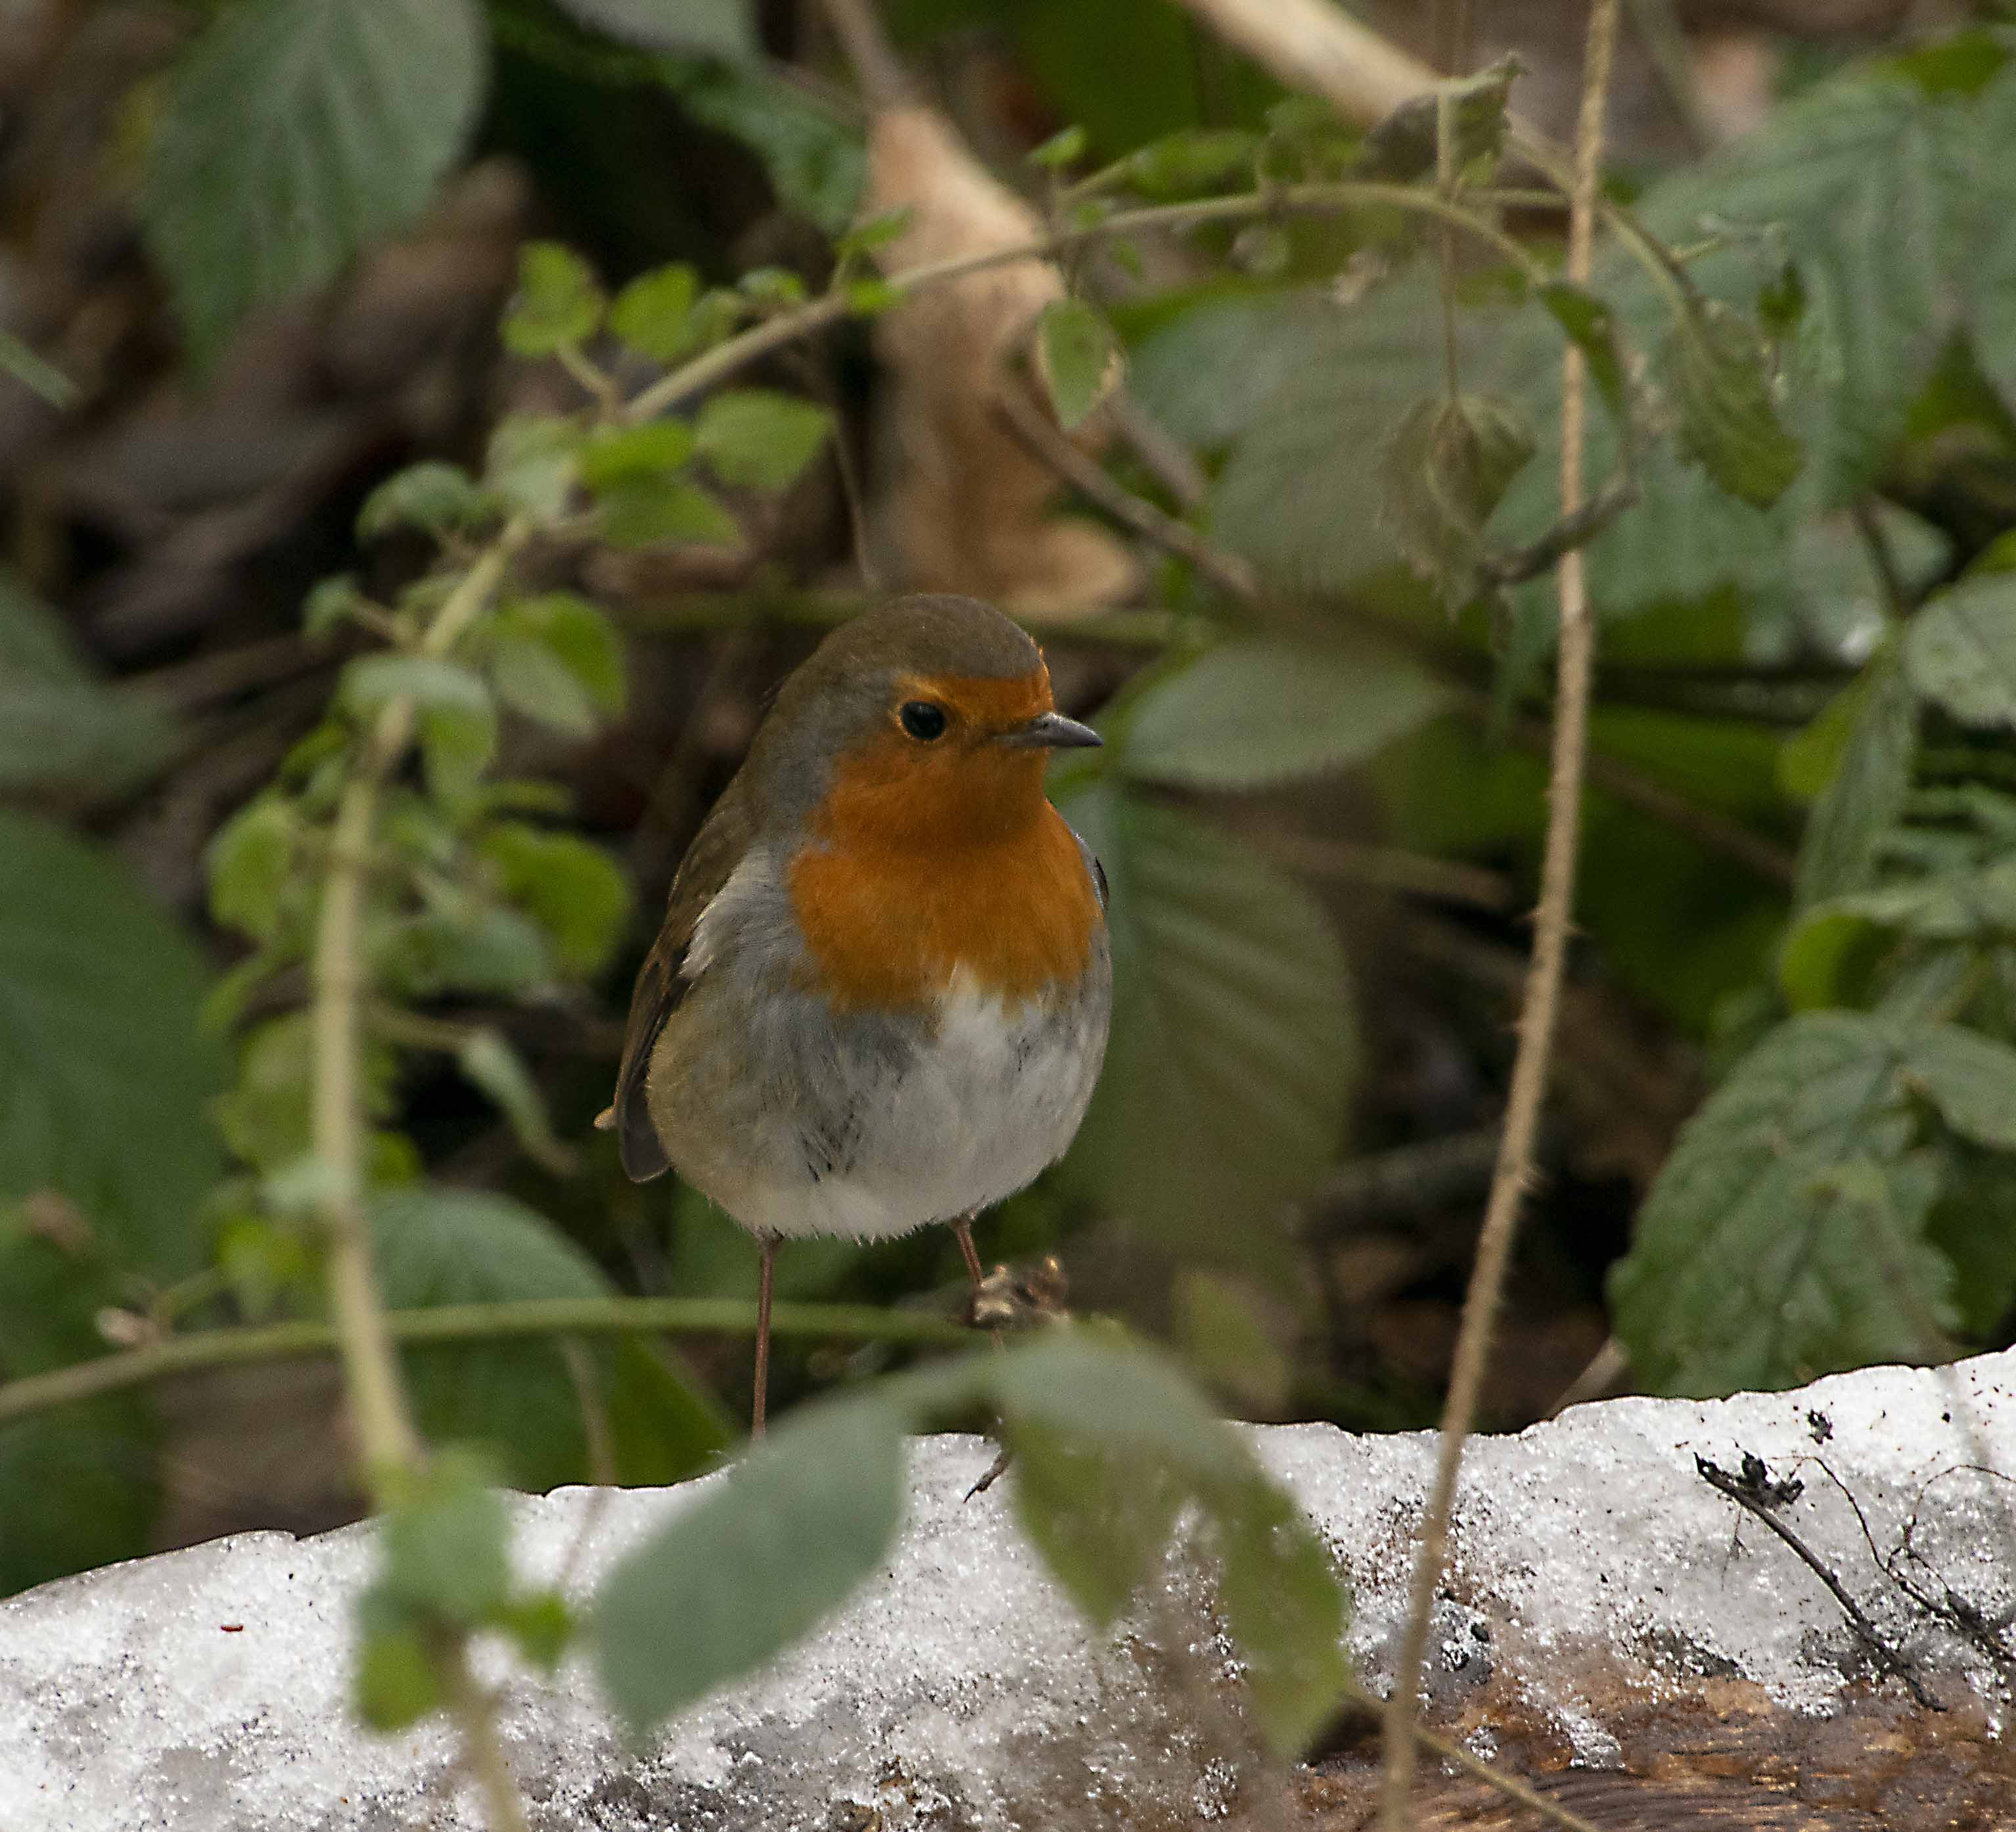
(879, 998)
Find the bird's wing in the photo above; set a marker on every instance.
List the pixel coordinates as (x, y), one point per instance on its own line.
(662, 982)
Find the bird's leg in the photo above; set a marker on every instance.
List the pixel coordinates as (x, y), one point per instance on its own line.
(768, 1244)
(962, 1232)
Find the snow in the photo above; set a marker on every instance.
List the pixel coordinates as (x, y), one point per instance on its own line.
(206, 1689)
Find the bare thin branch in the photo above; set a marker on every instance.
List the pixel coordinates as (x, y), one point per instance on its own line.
(1543, 985)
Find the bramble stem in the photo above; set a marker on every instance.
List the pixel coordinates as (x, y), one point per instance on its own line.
(472, 1323)
(1542, 1002)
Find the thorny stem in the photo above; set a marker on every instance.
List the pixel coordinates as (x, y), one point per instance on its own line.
(1543, 984)
(388, 1446)
(471, 1323)
(775, 334)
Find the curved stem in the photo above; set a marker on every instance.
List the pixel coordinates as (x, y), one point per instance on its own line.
(471, 1323)
(715, 365)
(1542, 1002)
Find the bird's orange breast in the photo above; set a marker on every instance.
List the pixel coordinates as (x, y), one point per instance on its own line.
(914, 874)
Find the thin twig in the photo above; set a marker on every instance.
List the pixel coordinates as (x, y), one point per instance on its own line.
(1543, 985)
(472, 1322)
(1744, 1494)
(759, 341)
(1037, 435)
(1523, 1793)
(474, 1710)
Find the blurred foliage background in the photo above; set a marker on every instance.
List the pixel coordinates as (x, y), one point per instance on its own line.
(254, 260)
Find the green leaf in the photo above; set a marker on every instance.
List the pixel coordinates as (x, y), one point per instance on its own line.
(250, 864)
(570, 888)
(754, 1560)
(298, 132)
(58, 723)
(1226, 1339)
(873, 232)
(78, 1486)
(640, 511)
(1590, 324)
(1961, 650)
(1721, 377)
(1233, 1033)
(1974, 1225)
(1785, 1236)
(398, 1681)
(1403, 146)
(755, 439)
(105, 1075)
(460, 944)
(447, 1542)
(1181, 165)
(34, 372)
(558, 305)
(440, 498)
(1255, 712)
(432, 682)
(1970, 1078)
(663, 1425)
(664, 445)
(1065, 147)
(1867, 794)
(1119, 1439)
(531, 463)
(457, 744)
(1078, 357)
(720, 28)
(654, 314)
(438, 1246)
(1443, 473)
(487, 1059)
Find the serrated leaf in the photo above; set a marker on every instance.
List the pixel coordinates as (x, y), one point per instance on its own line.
(249, 863)
(753, 1561)
(1970, 1078)
(1442, 473)
(1868, 788)
(487, 1059)
(297, 132)
(105, 1074)
(756, 439)
(440, 498)
(653, 313)
(1590, 324)
(572, 889)
(58, 723)
(1233, 1032)
(1719, 366)
(1403, 146)
(720, 28)
(1753, 1263)
(1961, 650)
(558, 304)
(438, 1246)
(1078, 358)
(1254, 712)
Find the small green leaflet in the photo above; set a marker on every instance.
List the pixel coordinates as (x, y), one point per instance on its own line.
(1718, 364)
(1078, 357)
(757, 439)
(558, 304)
(1444, 470)
(1961, 650)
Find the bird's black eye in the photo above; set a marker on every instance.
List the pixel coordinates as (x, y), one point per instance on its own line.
(923, 720)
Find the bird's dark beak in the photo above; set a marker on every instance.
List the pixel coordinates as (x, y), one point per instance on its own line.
(1052, 731)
